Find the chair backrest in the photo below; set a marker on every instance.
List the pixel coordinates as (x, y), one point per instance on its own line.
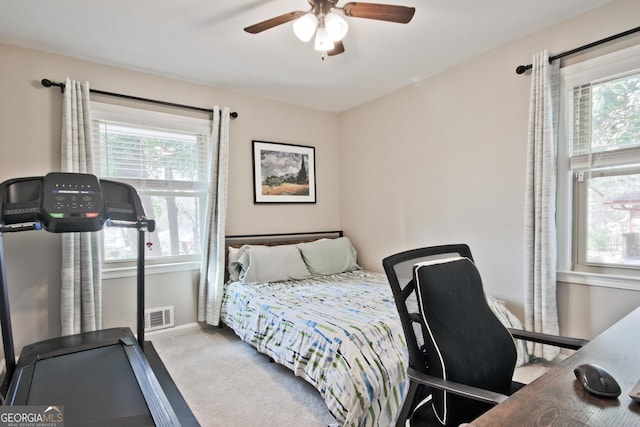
(399, 270)
(465, 341)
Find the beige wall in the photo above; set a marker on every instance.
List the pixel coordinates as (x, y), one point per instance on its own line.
(443, 161)
(30, 118)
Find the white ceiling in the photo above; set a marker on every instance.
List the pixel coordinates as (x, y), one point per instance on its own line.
(203, 41)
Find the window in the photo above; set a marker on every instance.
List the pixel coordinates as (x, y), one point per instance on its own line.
(601, 138)
(165, 158)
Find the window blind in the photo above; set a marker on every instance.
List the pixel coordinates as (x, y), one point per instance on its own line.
(144, 153)
(606, 123)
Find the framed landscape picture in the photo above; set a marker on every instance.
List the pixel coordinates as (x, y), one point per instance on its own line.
(283, 173)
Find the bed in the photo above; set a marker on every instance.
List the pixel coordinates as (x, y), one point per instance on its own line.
(310, 307)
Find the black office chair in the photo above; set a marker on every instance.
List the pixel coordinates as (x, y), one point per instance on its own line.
(459, 351)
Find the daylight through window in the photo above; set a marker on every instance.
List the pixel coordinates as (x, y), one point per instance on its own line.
(605, 164)
(168, 166)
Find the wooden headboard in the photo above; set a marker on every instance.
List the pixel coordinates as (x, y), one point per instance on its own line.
(273, 239)
(279, 238)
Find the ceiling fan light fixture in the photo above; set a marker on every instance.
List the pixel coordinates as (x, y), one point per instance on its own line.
(305, 26)
(336, 26)
(330, 28)
(323, 42)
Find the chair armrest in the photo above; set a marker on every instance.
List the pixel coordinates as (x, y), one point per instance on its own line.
(555, 340)
(470, 392)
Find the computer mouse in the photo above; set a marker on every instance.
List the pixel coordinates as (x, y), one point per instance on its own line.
(597, 380)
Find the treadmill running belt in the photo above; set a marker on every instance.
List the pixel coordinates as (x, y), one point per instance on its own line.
(96, 387)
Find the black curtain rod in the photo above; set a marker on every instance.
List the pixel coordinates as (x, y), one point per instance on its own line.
(49, 83)
(522, 68)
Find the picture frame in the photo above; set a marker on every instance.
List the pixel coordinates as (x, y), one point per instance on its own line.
(283, 173)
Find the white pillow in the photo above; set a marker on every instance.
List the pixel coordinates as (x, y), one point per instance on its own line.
(259, 264)
(233, 254)
(329, 256)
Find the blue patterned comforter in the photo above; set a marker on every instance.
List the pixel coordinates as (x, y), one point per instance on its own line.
(340, 333)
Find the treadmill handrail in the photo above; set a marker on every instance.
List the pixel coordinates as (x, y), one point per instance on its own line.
(14, 228)
(141, 224)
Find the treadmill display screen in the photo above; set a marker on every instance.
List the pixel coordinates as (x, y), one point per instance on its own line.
(72, 202)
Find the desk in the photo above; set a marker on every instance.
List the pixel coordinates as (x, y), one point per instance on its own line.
(556, 398)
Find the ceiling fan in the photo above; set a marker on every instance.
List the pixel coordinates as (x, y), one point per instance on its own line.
(329, 27)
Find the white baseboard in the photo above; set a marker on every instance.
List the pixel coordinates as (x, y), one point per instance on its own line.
(187, 327)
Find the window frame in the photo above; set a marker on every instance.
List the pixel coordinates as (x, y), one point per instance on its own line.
(569, 266)
(171, 122)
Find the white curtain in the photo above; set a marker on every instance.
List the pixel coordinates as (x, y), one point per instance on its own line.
(81, 294)
(541, 314)
(212, 269)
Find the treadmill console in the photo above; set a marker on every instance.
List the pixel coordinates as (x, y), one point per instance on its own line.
(69, 202)
(72, 202)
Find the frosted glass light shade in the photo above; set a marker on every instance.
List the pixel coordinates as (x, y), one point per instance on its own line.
(305, 26)
(323, 42)
(336, 26)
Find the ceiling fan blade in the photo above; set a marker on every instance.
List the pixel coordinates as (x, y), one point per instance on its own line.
(273, 22)
(338, 48)
(381, 12)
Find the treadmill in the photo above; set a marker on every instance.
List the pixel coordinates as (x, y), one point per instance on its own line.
(101, 378)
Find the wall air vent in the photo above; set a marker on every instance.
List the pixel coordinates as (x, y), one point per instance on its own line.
(158, 318)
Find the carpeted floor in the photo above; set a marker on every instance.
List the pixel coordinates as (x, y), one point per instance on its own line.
(227, 383)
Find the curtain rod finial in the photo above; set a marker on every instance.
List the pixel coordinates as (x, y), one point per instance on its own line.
(522, 68)
(49, 83)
